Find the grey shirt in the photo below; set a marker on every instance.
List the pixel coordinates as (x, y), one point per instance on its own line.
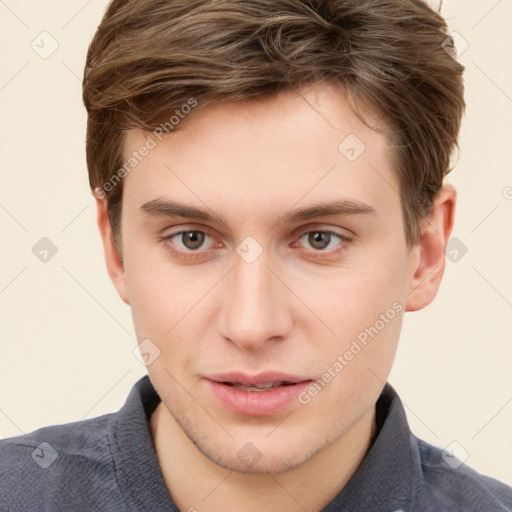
(109, 464)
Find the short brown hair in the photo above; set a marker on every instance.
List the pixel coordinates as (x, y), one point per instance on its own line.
(148, 58)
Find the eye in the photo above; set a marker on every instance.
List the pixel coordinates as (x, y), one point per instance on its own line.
(188, 243)
(191, 239)
(325, 240)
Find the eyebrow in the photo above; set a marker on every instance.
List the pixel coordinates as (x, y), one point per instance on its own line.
(172, 208)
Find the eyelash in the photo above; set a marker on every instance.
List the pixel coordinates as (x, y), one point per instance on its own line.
(192, 255)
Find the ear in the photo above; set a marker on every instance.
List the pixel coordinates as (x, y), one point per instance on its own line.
(113, 259)
(435, 233)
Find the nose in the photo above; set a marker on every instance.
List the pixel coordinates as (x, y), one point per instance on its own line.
(255, 303)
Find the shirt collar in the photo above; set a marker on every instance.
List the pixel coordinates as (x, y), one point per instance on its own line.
(138, 473)
(387, 478)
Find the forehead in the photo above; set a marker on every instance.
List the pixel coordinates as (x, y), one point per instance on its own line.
(272, 152)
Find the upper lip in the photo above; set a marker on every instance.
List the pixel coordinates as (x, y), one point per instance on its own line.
(261, 378)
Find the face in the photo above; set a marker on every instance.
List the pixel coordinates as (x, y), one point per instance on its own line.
(267, 264)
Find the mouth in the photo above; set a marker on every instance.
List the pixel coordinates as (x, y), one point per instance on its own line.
(258, 395)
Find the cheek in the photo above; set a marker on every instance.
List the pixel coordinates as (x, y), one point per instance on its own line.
(161, 312)
(354, 297)
(361, 311)
(169, 303)
(156, 298)
(353, 365)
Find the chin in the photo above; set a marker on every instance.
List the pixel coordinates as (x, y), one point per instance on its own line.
(280, 461)
(258, 455)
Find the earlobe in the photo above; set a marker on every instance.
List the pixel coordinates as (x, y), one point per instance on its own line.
(435, 232)
(113, 259)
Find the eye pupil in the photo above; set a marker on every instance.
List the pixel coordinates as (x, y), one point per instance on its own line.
(319, 239)
(193, 239)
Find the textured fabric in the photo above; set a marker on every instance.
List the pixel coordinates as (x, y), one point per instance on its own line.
(109, 464)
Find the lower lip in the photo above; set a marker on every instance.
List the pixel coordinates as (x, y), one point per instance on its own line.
(257, 403)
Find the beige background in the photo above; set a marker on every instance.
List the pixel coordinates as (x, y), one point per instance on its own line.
(66, 345)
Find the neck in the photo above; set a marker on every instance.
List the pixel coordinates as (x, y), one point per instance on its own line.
(196, 483)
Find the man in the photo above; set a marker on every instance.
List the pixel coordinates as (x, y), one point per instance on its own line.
(269, 184)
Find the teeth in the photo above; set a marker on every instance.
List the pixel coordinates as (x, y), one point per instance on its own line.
(267, 385)
(258, 387)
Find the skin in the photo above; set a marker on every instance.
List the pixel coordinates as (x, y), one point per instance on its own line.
(294, 309)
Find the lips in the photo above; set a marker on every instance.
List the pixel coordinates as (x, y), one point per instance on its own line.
(263, 378)
(256, 395)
